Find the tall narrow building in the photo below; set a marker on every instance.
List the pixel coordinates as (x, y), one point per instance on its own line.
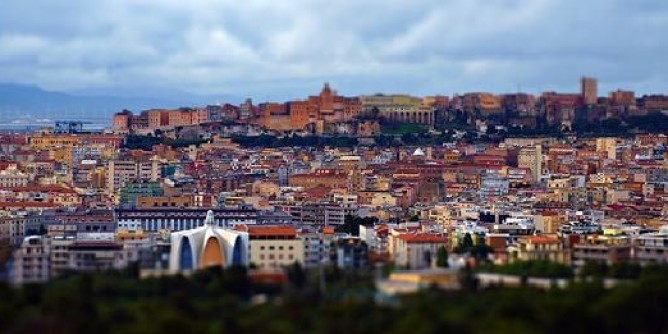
(589, 90)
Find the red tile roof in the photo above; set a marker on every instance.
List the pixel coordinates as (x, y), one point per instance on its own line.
(56, 189)
(27, 205)
(539, 239)
(423, 238)
(271, 231)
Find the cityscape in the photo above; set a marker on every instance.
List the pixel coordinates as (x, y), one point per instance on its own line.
(210, 172)
(409, 191)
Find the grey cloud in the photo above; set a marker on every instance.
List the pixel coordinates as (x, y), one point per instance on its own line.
(285, 49)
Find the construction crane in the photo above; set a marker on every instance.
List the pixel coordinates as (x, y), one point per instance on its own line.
(70, 127)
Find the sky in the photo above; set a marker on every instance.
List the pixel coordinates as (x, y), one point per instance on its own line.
(284, 49)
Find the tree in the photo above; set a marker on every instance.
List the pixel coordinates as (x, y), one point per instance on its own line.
(351, 224)
(481, 250)
(442, 257)
(465, 244)
(296, 276)
(375, 112)
(594, 268)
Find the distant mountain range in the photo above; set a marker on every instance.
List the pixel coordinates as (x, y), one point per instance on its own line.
(21, 104)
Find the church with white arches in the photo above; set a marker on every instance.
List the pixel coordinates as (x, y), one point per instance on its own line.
(208, 246)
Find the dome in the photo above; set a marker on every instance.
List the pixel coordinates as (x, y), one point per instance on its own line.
(418, 152)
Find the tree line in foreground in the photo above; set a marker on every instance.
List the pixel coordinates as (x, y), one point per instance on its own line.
(218, 301)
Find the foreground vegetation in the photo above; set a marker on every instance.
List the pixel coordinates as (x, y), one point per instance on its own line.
(216, 301)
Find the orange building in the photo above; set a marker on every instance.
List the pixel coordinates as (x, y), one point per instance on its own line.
(300, 114)
(184, 201)
(589, 90)
(163, 118)
(623, 98)
(332, 178)
(327, 107)
(122, 120)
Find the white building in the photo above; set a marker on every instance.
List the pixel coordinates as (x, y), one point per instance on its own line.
(31, 262)
(208, 246)
(13, 177)
(417, 250)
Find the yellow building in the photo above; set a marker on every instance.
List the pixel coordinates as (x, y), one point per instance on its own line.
(273, 247)
(539, 248)
(398, 108)
(130, 236)
(61, 154)
(265, 189)
(66, 197)
(531, 158)
(549, 222)
(381, 199)
(48, 142)
(413, 280)
(165, 201)
(604, 144)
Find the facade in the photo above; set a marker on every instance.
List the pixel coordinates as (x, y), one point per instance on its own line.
(532, 159)
(319, 214)
(349, 253)
(31, 262)
(623, 98)
(539, 248)
(121, 121)
(179, 219)
(416, 251)
(609, 253)
(13, 177)
(207, 246)
(485, 103)
(184, 201)
(51, 141)
(316, 246)
(589, 90)
(41, 258)
(332, 178)
(122, 172)
(99, 255)
(273, 247)
(14, 229)
(651, 247)
(398, 108)
(133, 190)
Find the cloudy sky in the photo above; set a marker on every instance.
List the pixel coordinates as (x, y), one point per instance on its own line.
(280, 49)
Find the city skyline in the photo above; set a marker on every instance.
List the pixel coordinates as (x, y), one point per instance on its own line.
(376, 166)
(283, 51)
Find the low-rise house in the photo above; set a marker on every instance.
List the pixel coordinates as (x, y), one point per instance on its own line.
(417, 250)
(539, 247)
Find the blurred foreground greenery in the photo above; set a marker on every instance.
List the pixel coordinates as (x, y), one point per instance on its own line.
(221, 301)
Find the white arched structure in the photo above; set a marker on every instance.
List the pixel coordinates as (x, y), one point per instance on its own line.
(207, 246)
